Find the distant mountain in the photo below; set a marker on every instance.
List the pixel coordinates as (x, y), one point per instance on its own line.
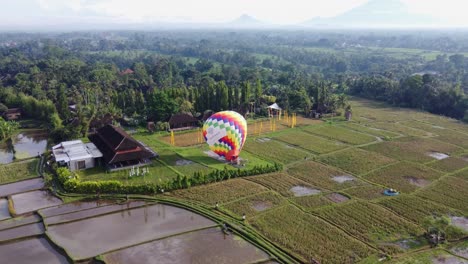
(246, 21)
(376, 13)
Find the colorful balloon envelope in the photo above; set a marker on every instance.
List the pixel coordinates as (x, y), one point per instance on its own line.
(225, 132)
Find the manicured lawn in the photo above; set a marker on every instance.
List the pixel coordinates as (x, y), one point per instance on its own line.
(404, 176)
(178, 163)
(341, 134)
(356, 160)
(18, 171)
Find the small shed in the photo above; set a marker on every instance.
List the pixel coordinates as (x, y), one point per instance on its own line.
(274, 110)
(12, 114)
(182, 121)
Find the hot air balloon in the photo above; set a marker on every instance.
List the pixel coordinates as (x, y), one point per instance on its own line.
(225, 132)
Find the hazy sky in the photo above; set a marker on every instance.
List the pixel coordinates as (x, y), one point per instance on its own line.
(273, 11)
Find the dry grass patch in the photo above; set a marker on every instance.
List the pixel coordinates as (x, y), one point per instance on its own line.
(356, 160)
(310, 142)
(279, 182)
(412, 149)
(404, 176)
(323, 176)
(309, 238)
(222, 192)
(253, 205)
(341, 134)
(449, 191)
(450, 164)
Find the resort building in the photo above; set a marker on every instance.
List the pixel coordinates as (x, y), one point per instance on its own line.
(182, 121)
(119, 149)
(76, 155)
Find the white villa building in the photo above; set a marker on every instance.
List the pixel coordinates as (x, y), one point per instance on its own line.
(76, 154)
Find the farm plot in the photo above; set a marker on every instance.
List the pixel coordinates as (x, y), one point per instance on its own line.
(283, 184)
(459, 138)
(323, 176)
(404, 176)
(371, 131)
(413, 149)
(312, 201)
(253, 205)
(450, 164)
(18, 171)
(341, 134)
(310, 142)
(414, 208)
(356, 160)
(462, 174)
(274, 150)
(370, 222)
(366, 192)
(222, 192)
(308, 237)
(455, 138)
(449, 191)
(400, 129)
(436, 256)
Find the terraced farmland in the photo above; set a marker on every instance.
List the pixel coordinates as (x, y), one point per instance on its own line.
(341, 134)
(310, 142)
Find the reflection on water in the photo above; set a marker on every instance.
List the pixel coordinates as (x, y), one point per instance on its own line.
(26, 144)
(108, 232)
(34, 250)
(32, 201)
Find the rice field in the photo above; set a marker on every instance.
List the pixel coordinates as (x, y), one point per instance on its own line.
(450, 164)
(449, 191)
(400, 129)
(310, 142)
(312, 201)
(356, 161)
(308, 237)
(341, 134)
(274, 150)
(323, 176)
(462, 174)
(365, 192)
(18, 171)
(404, 176)
(253, 205)
(280, 182)
(370, 130)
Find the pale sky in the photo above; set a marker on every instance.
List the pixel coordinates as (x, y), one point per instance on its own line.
(271, 11)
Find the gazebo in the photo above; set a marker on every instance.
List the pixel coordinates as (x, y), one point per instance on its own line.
(274, 110)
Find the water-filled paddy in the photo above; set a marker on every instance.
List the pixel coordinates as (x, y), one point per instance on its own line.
(203, 246)
(22, 231)
(34, 250)
(32, 201)
(304, 191)
(26, 144)
(74, 207)
(4, 214)
(108, 232)
(21, 186)
(19, 221)
(92, 212)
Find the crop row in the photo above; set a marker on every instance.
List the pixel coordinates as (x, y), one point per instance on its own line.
(310, 142)
(279, 182)
(341, 134)
(449, 191)
(274, 150)
(252, 205)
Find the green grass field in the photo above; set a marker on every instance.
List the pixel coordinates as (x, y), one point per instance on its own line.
(310, 142)
(274, 150)
(341, 134)
(18, 171)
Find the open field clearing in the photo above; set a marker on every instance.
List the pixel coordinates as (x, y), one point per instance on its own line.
(222, 192)
(414, 208)
(18, 171)
(158, 173)
(400, 129)
(370, 222)
(356, 160)
(370, 130)
(341, 134)
(365, 192)
(284, 184)
(448, 191)
(450, 164)
(462, 174)
(310, 142)
(404, 176)
(253, 205)
(323, 176)
(308, 237)
(274, 150)
(413, 149)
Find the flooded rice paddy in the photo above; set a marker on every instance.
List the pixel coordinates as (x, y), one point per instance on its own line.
(104, 233)
(19, 221)
(32, 201)
(22, 231)
(299, 191)
(33, 250)
(4, 213)
(73, 207)
(203, 246)
(21, 186)
(26, 144)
